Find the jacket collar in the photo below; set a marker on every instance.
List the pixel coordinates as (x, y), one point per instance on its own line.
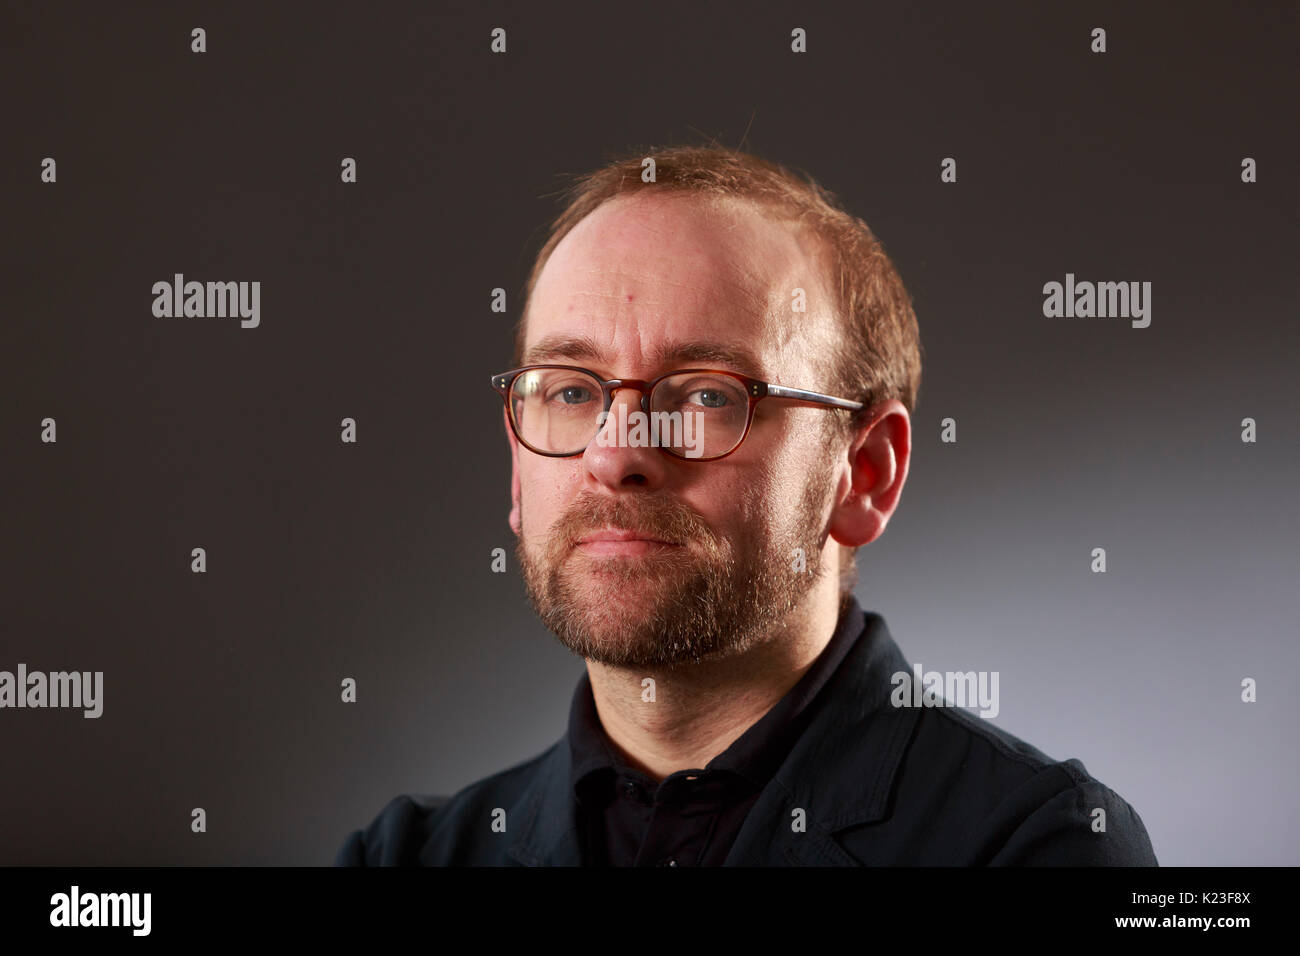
(840, 772)
(548, 833)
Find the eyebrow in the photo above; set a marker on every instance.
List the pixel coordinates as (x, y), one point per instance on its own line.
(581, 347)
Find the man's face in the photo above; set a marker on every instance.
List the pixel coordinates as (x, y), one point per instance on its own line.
(716, 569)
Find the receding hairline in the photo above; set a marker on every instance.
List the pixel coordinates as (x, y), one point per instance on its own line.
(818, 249)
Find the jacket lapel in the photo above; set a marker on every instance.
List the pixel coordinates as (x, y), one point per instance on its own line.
(840, 771)
(548, 831)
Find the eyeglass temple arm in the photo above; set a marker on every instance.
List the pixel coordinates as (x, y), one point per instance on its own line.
(783, 391)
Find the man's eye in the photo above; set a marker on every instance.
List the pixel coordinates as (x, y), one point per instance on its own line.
(709, 398)
(571, 395)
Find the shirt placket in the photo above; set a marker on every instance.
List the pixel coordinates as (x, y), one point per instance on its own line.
(679, 828)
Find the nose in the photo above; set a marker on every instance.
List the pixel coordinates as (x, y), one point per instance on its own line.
(617, 457)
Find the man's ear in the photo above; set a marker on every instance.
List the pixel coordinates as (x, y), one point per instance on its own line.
(878, 457)
(514, 473)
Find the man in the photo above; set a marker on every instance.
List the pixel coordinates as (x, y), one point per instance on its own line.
(739, 706)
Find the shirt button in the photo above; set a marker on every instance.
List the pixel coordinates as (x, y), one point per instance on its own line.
(668, 862)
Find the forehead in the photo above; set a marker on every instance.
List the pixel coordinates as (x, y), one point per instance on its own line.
(647, 278)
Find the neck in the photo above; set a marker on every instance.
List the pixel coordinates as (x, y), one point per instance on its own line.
(700, 709)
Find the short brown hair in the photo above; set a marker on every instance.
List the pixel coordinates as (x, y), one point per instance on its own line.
(879, 356)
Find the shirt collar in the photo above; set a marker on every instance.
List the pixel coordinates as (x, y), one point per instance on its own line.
(757, 753)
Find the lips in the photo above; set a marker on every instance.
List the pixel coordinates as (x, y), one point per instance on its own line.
(617, 535)
(622, 543)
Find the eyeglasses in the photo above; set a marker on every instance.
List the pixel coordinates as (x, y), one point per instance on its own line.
(556, 410)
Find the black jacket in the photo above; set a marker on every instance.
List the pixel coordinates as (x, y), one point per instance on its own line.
(878, 785)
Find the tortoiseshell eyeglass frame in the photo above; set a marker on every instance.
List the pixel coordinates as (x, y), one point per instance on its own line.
(755, 391)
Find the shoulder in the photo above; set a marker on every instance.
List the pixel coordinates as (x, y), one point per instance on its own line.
(391, 838)
(1005, 802)
(427, 829)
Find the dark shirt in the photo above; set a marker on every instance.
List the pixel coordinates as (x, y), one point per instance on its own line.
(692, 817)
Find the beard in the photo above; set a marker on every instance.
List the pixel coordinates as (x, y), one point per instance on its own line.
(707, 598)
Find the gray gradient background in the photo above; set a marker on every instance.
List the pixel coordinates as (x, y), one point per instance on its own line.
(372, 561)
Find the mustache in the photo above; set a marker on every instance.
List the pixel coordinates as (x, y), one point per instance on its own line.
(655, 516)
